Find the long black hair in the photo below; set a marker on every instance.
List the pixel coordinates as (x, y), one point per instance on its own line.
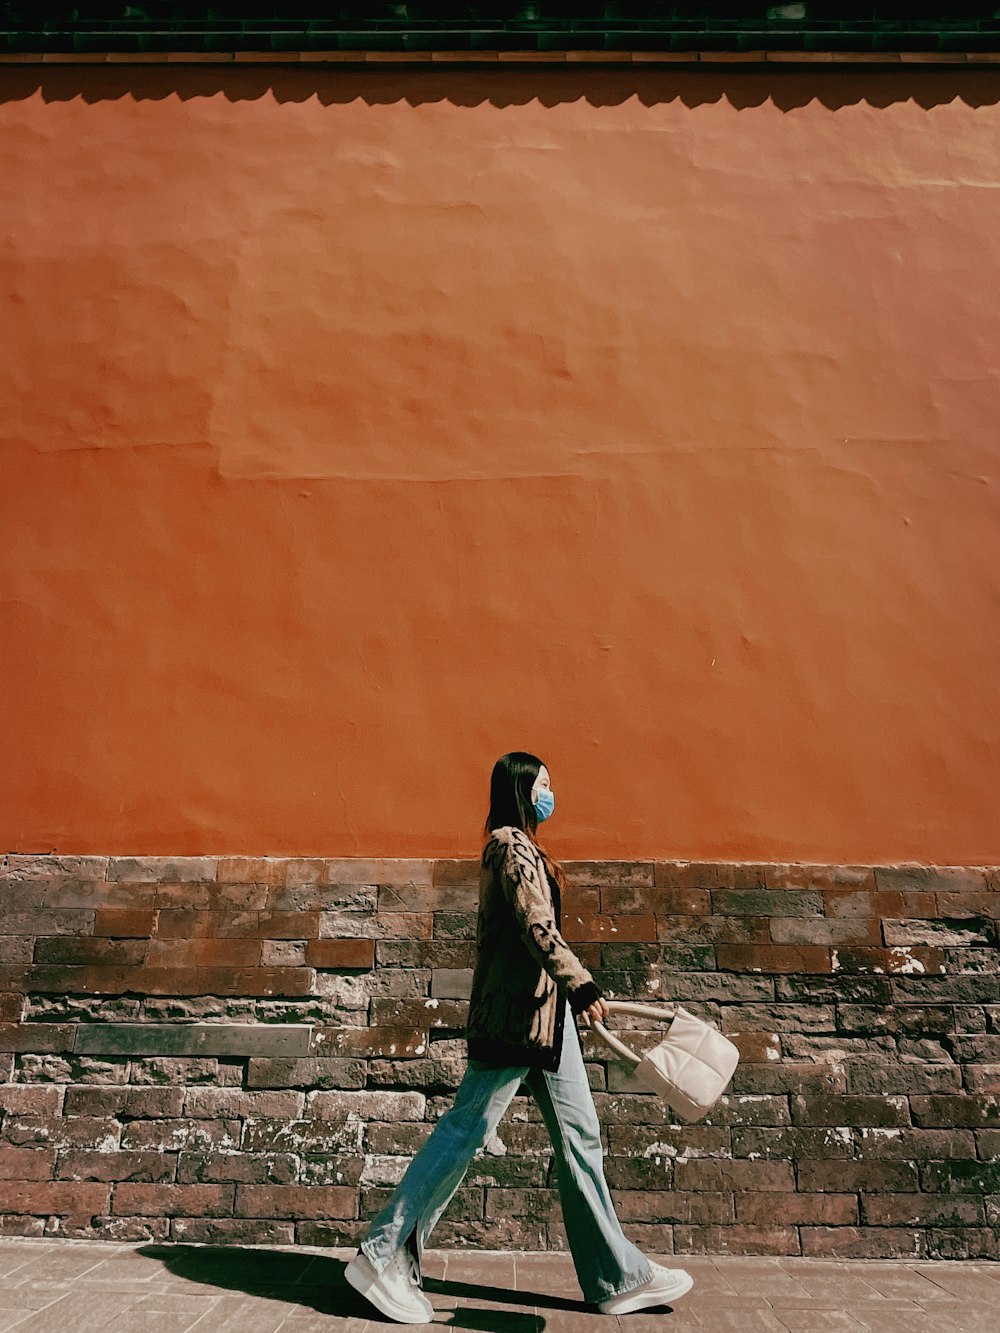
(511, 782)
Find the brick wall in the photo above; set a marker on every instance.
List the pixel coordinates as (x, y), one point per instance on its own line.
(249, 1050)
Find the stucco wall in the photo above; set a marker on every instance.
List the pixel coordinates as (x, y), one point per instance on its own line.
(359, 427)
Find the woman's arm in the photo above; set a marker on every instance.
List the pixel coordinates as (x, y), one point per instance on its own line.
(531, 902)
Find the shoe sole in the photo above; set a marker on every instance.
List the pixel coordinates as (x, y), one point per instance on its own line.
(368, 1287)
(646, 1298)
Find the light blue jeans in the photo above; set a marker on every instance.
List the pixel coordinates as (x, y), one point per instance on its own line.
(606, 1262)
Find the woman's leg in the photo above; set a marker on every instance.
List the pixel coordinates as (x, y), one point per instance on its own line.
(606, 1261)
(439, 1166)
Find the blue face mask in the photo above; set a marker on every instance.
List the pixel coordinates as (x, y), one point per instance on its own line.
(545, 804)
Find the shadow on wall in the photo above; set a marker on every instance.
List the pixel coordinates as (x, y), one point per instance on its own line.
(317, 1282)
(786, 86)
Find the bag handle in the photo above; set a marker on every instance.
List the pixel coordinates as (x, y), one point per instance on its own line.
(631, 1007)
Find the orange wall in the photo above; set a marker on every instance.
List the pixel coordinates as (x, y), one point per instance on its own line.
(360, 427)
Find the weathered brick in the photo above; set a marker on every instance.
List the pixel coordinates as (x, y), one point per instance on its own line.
(231, 1231)
(171, 981)
(60, 1197)
(900, 958)
(264, 1039)
(30, 865)
(76, 950)
(884, 1142)
(773, 957)
(131, 922)
(426, 1012)
(240, 1167)
(921, 1210)
(820, 1109)
(594, 926)
(712, 929)
(425, 953)
(26, 1164)
(299, 1201)
(30, 1099)
(59, 1132)
(389, 1106)
(181, 1135)
(825, 930)
(763, 1209)
(302, 1136)
(217, 952)
(64, 921)
(137, 1103)
(863, 1242)
(734, 1175)
(372, 925)
(183, 869)
(251, 869)
(792, 1143)
(156, 1200)
(796, 875)
(306, 1072)
(451, 982)
(369, 1041)
(961, 1177)
(340, 953)
(461, 896)
(964, 1109)
(38, 1038)
(766, 902)
(950, 931)
(450, 870)
(865, 1079)
(89, 1164)
(789, 1076)
(735, 1239)
(836, 1177)
(928, 879)
(236, 1103)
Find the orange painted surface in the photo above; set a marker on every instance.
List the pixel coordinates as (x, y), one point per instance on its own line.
(360, 427)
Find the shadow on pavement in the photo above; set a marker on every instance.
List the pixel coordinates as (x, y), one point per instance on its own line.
(318, 1283)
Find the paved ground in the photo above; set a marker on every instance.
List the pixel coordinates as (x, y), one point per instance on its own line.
(65, 1286)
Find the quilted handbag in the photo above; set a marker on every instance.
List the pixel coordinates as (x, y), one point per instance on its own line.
(689, 1069)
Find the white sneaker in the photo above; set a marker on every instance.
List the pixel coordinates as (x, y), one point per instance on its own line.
(664, 1287)
(394, 1291)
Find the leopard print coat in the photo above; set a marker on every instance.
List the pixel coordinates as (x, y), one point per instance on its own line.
(524, 968)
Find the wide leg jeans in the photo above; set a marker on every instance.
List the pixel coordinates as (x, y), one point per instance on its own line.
(606, 1262)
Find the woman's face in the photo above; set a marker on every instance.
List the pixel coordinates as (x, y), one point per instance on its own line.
(541, 783)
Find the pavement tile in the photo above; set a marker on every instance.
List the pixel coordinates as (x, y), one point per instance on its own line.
(813, 1320)
(79, 1311)
(969, 1285)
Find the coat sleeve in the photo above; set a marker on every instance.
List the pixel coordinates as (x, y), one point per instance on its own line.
(531, 902)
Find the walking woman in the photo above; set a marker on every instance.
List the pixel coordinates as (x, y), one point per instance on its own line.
(528, 988)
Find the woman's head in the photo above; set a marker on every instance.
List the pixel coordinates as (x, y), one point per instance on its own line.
(520, 792)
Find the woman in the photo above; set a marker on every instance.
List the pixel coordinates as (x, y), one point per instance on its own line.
(528, 987)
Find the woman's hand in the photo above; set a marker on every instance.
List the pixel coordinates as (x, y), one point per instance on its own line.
(599, 1010)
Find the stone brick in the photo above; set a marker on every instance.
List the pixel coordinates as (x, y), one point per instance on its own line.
(21, 865)
(961, 1177)
(900, 958)
(369, 1041)
(22, 1099)
(964, 1109)
(181, 1135)
(764, 1209)
(183, 869)
(866, 1078)
(26, 1164)
(202, 953)
(236, 1103)
(451, 982)
(247, 1168)
(883, 1142)
(425, 953)
(371, 925)
(594, 926)
(824, 930)
(171, 981)
(11, 1007)
(836, 1177)
(458, 926)
(921, 1210)
(712, 929)
(735, 1239)
(231, 1231)
(931, 879)
(766, 902)
(773, 957)
(76, 950)
(302, 1136)
(65, 921)
(863, 1242)
(137, 1103)
(462, 896)
(948, 932)
(38, 1038)
(260, 1039)
(583, 874)
(306, 1072)
(447, 871)
(156, 1200)
(792, 1143)
(87, 1164)
(796, 875)
(131, 922)
(733, 1175)
(426, 1012)
(819, 1109)
(57, 1132)
(365, 1106)
(298, 1201)
(341, 953)
(60, 1197)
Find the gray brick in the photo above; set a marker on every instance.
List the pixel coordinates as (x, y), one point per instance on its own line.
(258, 1039)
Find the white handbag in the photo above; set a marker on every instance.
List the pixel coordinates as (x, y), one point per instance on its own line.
(689, 1069)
